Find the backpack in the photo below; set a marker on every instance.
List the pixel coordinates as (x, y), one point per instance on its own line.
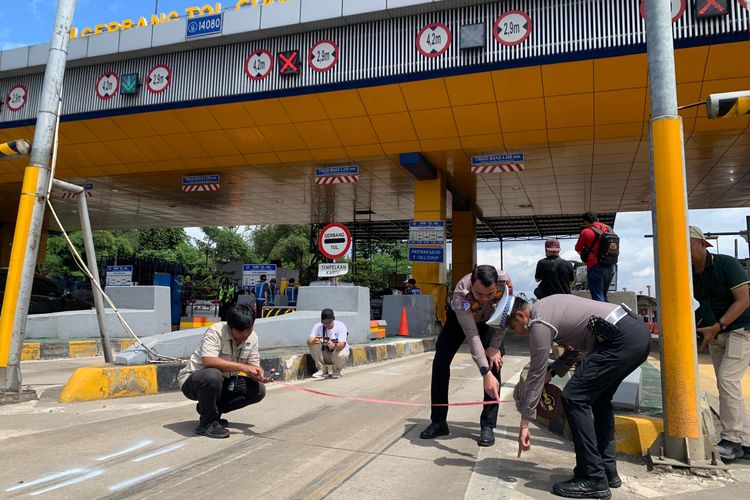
(609, 248)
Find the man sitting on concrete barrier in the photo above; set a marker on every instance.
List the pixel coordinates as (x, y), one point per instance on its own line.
(474, 302)
(224, 373)
(327, 344)
(611, 342)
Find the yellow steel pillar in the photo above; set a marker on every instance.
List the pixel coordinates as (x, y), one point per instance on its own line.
(429, 204)
(464, 235)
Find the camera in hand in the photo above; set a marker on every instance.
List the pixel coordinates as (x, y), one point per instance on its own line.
(324, 341)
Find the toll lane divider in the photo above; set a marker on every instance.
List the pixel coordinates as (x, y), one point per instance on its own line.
(106, 381)
(69, 349)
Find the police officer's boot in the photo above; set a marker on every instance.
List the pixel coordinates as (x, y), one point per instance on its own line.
(486, 436)
(434, 430)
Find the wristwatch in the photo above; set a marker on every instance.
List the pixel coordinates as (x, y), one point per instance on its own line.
(484, 370)
(722, 326)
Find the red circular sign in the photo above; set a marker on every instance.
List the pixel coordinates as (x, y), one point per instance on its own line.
(323, 56)
(17, 97)
(159, 78)
(434, 39)
(107, 85)
(259, 64)
(678, 9)
(512, 28)
(334, 241)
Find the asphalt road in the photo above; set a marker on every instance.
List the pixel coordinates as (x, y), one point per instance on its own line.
(296, 445)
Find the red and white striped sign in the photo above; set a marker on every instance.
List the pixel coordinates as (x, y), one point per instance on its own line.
(493, 169)
(337, 179)
(68, 195)
(199, 188)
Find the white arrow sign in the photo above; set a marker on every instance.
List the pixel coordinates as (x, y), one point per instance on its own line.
(332, 270)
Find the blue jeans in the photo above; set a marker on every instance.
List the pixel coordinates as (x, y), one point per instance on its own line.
(599, 277)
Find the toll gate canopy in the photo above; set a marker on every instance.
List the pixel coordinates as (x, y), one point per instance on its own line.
(235, 127)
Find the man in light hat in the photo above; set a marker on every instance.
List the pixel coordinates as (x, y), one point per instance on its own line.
(720, 285)
(610, 342)
(553, 273)
(475, 299)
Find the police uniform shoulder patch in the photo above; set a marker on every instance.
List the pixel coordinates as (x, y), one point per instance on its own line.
(464, 305)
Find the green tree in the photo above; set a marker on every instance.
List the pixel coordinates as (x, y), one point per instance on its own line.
(226, 244)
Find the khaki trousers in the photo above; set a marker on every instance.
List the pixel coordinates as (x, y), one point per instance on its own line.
(323, 357)
(730, 354)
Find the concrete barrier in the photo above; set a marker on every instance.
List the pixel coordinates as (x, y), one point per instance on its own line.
(107, 381)
(147, 309)
(420, 314)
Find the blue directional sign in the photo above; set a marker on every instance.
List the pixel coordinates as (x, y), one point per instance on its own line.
(200, 179)
(334, 171)
(259, 268)
(204, 25)
(498, 159)
(417, 254)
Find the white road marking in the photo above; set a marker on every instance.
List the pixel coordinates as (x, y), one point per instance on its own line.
(45, 479)
(130, 482)
(92, 474)
(138, 446)
(158, 452)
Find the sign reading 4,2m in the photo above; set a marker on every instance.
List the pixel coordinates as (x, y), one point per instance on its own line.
(434, 39)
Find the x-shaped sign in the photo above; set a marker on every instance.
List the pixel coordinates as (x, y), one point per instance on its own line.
(712, 4)
(289, 62)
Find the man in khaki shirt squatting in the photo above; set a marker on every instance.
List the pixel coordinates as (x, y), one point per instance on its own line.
(224, 372)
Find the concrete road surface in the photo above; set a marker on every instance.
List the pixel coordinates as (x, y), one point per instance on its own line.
(298, 445)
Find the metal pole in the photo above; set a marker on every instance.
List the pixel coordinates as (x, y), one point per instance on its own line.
(501, 253)
(88, 243)
(30, 217)
(682, 440)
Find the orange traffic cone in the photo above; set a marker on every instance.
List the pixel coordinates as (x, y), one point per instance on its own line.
(403, 329)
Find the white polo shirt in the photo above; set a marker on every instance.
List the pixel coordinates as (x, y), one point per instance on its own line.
(338, 333)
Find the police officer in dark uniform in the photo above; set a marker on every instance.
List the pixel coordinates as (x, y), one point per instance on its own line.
(474, 300)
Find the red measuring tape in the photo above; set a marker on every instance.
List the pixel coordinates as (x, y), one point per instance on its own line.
(387, 402)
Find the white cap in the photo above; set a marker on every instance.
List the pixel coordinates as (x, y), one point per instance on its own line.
(502, 311)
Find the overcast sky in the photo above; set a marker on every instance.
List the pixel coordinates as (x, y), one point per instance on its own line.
(27, 22)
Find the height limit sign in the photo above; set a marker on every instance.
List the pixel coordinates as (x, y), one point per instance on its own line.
(334, 241)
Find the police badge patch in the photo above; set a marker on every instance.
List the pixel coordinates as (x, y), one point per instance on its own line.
(464, 305)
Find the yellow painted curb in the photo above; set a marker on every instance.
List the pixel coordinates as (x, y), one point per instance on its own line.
(359, 356)
(31, 351)
(400, 350)
(82, 348)
(381, 352)
(125, 343)
(109, 381)
(634, 435)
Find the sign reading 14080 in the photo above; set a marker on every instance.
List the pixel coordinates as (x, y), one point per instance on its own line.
(206, 25)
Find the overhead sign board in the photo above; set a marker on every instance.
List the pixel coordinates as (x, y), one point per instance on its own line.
(512, 28)
(711, 8)
(434, 39)
(332, 270)
(334, 241)
(289, 62)
(119, 275)
(428, 254)
(490, 164)
(206, 25)
(200, 183)
(251, 273)
(337, 175)
(129, 84)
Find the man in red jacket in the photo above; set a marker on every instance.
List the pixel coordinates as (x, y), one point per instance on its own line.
(598, 275)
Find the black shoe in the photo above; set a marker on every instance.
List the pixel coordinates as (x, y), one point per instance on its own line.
(223, 421)
(212, 430)
(746, 451)
(434, 430)
(486, 436)
(729, 450)
(613, 478)
(583, 488)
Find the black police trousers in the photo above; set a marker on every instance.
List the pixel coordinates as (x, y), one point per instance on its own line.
(450, 339)
(589, 393)
(209, 387)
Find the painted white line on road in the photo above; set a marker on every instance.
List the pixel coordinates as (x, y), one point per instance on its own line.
(92, 474)
(51, 477)
(130, 482)
(138, 446)
(484, 483)
(158, 452)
